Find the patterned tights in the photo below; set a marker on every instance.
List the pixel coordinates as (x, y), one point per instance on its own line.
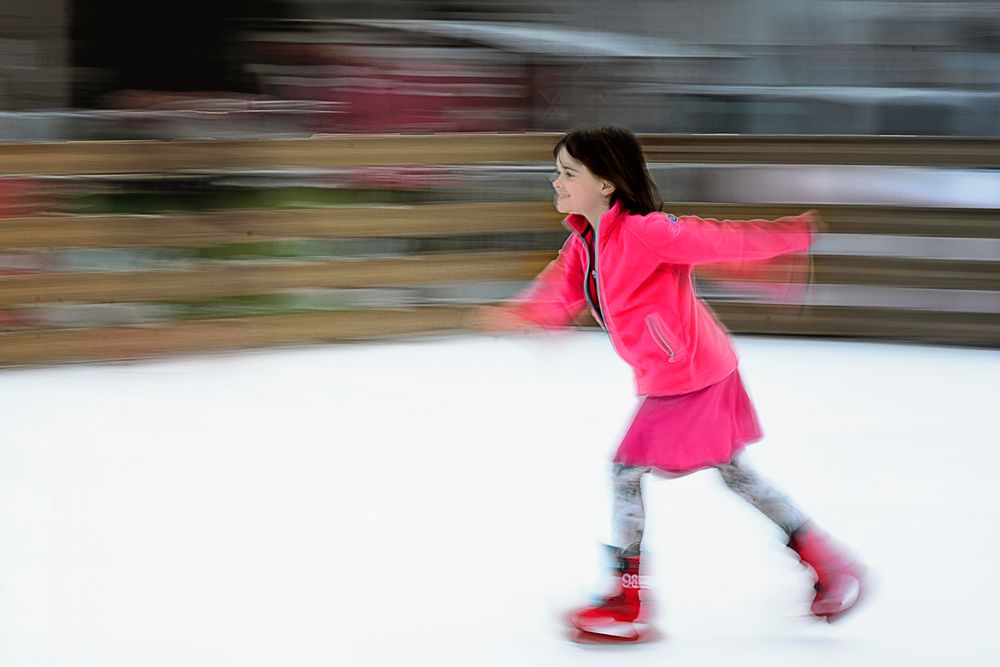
(630, 514)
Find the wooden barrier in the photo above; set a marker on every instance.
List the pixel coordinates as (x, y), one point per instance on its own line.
(942, 262)
(233, 279)
(145, 157)
(104, 343)
(138, 231)
(897, 324)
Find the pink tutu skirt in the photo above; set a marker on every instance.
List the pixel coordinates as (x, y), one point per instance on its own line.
(684, 433)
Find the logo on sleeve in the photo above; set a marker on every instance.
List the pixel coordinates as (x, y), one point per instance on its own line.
(672, 218)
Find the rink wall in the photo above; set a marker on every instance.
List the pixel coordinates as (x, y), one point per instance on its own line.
(77, 286)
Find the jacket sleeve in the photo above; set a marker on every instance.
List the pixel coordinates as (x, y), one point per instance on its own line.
(689, 239)
(555, 297)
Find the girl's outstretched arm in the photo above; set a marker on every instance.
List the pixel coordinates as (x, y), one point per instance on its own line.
(554, 298)
(688, 239)
(498, 319)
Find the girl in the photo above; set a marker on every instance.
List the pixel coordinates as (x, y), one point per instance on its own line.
(632, 265)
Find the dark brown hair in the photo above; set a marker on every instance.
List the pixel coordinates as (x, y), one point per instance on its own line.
(614, 154)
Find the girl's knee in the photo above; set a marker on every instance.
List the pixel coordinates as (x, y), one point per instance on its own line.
(623, 471)
(733, 476)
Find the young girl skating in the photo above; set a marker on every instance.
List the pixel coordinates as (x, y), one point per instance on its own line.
(631, 265)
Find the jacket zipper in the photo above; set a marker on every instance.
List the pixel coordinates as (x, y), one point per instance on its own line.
(597, 284)
(659, 338)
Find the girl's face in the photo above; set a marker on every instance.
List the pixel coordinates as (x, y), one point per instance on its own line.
(578, 190)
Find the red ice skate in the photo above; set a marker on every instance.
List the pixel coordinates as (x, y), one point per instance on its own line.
(618, 617)
(839, 578)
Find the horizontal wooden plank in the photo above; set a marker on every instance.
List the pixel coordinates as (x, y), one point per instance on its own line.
(896, 324)
(233, 279)
(972, 152)
(880, 271)
(242, 278)
(132, 231)
(75, 345)
(901, 272)
(137, 157)
(864, 219)
(330, 151)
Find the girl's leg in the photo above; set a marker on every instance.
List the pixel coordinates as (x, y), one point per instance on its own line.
(839, 578)
(629, 519)
(747, 484)
(619, 615)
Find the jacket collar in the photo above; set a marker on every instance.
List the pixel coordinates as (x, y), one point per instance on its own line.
(578, 223)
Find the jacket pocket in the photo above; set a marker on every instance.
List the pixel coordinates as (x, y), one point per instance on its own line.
(663, 338)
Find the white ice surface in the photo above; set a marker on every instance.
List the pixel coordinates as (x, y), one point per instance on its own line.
(441, 502)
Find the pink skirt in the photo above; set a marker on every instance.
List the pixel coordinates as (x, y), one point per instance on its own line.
(684, 433)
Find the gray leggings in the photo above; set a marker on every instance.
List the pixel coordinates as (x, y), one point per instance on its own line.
(630, 515)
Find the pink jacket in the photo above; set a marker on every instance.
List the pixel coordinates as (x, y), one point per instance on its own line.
(643, 267)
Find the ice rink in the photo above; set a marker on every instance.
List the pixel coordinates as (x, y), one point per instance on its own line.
(442, 502)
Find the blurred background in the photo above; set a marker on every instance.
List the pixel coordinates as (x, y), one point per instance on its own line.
(779, 67)
(195, 175)
(815, 66)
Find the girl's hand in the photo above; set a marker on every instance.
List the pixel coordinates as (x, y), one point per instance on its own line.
(816, 222)
(496, 319)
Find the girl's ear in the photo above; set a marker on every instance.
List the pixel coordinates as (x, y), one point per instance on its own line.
(607, 189)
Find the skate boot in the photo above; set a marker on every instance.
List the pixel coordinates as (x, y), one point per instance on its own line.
(619, 616)
(839, 578)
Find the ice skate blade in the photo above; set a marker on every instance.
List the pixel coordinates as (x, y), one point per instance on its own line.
(592, 639)
(616, 632)
(860, 591)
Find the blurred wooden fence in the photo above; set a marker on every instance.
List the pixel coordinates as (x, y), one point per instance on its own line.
(962, 283)
(136, 157)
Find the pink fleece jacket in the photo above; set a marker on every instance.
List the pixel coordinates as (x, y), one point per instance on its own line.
(643, 266)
